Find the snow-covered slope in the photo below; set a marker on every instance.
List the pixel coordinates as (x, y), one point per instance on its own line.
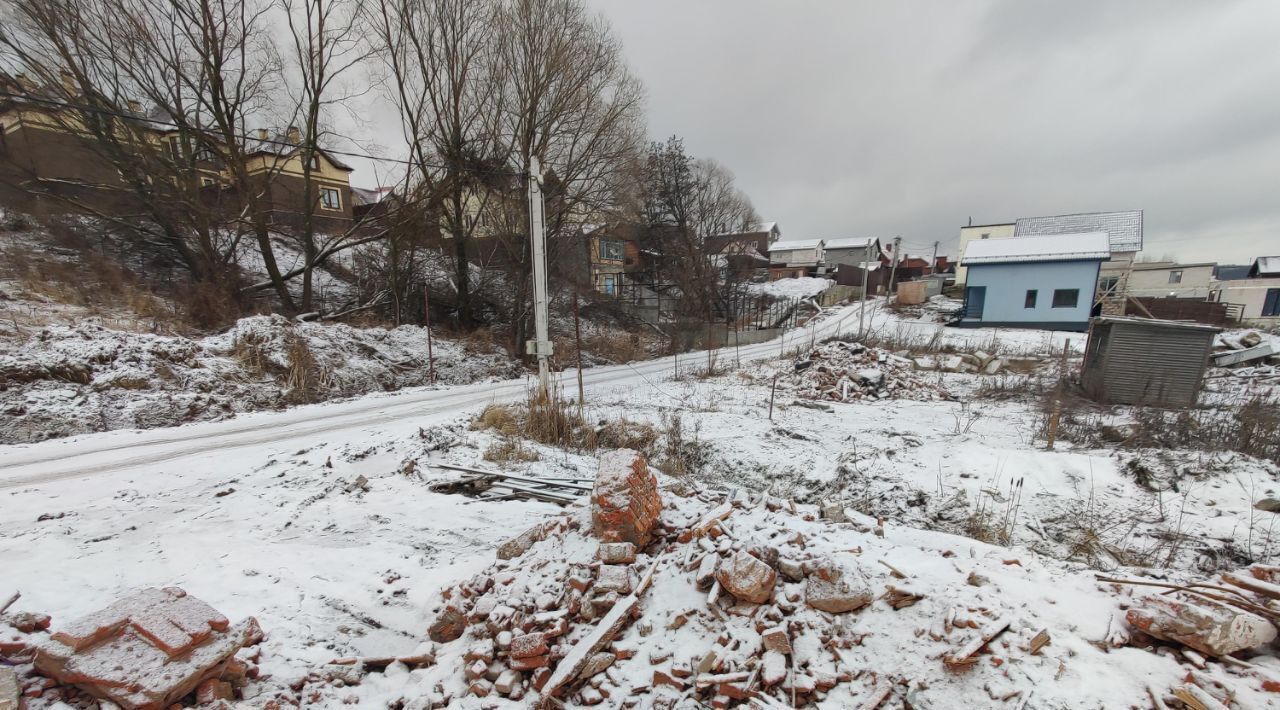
(74, 379)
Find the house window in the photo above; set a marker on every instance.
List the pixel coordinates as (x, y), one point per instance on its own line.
(1109, 284)
(610, 284)
(206, 182)
(330, 199)
(611, 250)
(985, 235)
(1175, 277)
(1066, 297)
(175, 148)
(1030, 300)
(315, 161)
(1271, 304)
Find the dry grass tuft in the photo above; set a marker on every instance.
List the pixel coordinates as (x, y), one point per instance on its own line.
(510, 449)
(499, 418)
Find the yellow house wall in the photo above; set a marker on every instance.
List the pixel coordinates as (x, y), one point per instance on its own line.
(968, 234)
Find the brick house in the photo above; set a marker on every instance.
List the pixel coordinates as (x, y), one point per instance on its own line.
(51, 162)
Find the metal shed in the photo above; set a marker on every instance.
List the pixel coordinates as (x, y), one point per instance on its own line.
(1146, 361)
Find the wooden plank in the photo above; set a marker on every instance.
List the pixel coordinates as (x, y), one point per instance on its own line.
(513, 477)
(1194, 697)
(964, 655)
(878, 696)
(541, 494)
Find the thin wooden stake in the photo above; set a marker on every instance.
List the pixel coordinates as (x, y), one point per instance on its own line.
(426, 306)
(773, 391)
(577, 336)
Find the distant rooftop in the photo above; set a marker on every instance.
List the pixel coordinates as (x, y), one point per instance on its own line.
(1265, 266)
(795, 244)
(1059, 247)
(849, 243)
(1124, 229)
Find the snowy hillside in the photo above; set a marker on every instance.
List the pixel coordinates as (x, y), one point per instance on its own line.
(72, 379)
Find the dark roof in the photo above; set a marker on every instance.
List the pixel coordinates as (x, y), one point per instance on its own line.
(1231, 272)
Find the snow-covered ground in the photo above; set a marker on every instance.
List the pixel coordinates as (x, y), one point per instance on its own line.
(257, 515)
(803, 287)
(62, 380)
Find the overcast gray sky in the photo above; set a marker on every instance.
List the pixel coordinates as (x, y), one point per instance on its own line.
(852, 118)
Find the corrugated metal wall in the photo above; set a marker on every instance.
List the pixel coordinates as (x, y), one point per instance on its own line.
(1130, 363)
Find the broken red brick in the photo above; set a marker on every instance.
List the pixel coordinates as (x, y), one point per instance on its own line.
(147, 649)
(660, 678)
(528, 645)
(530, 663)
(448, 626)
(213, 690)
(625, 501)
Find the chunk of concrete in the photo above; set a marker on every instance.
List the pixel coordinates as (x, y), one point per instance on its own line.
(747, 578)
(829, 589)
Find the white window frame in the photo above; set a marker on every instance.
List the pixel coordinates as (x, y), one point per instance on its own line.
(1175, 276)
(337, 198)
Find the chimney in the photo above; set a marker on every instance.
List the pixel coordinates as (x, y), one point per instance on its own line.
(135, 106)
(262, 134)
(295, 136)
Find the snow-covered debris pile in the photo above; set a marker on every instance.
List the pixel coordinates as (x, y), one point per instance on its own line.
(944, 305)
(84, 378)
(151, 649)
(803, 287)
(747, 600)
(846, 372)
(1246, 349)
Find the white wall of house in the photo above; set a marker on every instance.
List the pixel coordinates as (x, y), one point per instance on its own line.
(1252, 295)
(968, 234)
(1169, 279)
(797, 257)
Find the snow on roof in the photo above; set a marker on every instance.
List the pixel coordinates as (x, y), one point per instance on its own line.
(849, 243)
(1267, 265)
(1123, 228)
(1059, 247)
(764, 226)
(795, 244)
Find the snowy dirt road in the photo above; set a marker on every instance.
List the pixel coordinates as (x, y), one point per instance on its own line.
(25, 465)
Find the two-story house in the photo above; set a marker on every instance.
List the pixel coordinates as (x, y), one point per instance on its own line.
(52, 160)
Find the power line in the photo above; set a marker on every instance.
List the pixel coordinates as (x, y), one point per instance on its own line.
(270, 141)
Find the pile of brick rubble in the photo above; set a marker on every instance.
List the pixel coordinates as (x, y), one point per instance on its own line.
(725, 601)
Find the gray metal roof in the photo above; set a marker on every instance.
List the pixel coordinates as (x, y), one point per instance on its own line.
(1124, 229)
(1056, 247)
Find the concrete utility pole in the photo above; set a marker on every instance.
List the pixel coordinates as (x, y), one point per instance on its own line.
(866, 276)
(893, 266)
(541, 345)
(933, 265)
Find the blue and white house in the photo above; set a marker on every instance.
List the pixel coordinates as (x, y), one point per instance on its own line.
(1033, 282)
